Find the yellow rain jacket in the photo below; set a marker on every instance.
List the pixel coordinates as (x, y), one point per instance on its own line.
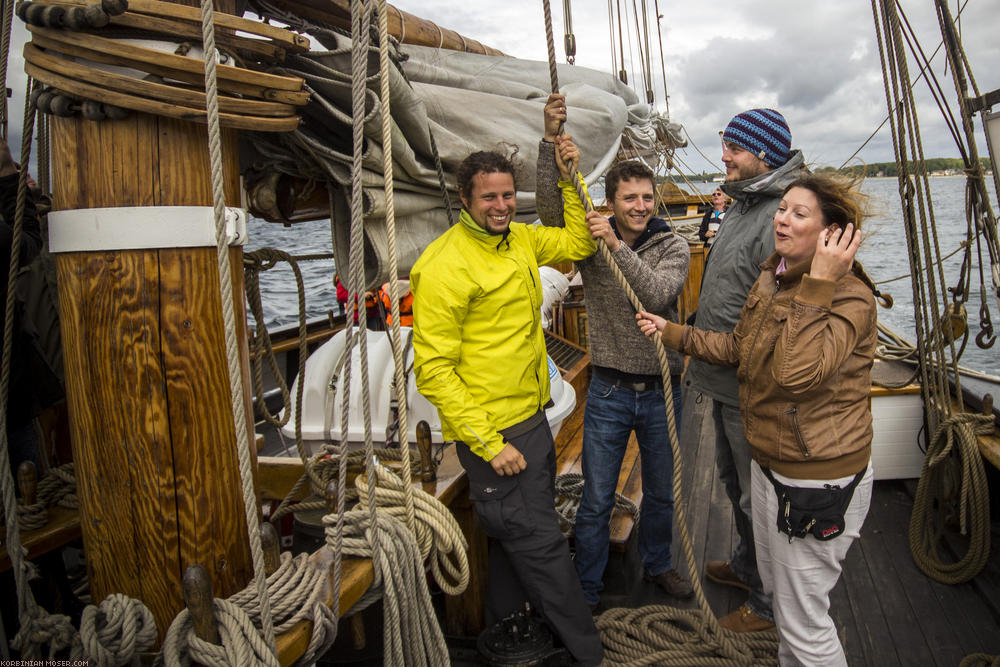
(479, 351)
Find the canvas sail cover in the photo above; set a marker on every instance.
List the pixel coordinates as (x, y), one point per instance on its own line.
(468, 102)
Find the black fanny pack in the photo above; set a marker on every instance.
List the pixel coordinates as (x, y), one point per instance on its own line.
(819, 512)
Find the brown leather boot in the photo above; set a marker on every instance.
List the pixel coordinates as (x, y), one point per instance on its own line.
(720, 572)
(744, 620)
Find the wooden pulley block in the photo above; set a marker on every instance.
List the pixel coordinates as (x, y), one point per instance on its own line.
(114, 7)
(956, 321)
(63, 106)
(75, 19)
(35, 94)
(114, 113)
(92, 110)
(33, 14)
(21, 9)
(44, 101)
(96, 16)
(51, 16)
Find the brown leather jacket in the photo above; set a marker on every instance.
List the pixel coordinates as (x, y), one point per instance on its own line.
(804, 349)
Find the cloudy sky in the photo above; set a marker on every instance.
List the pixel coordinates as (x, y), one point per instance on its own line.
(816, 62)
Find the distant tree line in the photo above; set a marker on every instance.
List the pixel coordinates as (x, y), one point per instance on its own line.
(937, 164)
(874, 169)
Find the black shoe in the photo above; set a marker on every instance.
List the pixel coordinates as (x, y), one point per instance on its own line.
(672, 582)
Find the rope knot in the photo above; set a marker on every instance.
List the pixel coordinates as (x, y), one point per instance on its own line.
(115, 632)
(38, 628)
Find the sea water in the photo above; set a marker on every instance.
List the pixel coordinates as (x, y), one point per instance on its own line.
(883, 254)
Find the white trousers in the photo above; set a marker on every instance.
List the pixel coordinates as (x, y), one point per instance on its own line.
(800, 574)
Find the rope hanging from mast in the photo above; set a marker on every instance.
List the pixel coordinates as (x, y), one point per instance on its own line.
(953, 451)
(624, 633)
(229, 317)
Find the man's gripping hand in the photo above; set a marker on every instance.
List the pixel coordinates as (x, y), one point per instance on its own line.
(509, 461)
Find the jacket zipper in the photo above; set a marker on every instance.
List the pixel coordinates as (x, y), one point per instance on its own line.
(794, 412)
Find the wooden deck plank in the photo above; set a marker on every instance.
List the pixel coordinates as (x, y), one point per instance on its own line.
(948, 615)
(876, 642)
(893, 582)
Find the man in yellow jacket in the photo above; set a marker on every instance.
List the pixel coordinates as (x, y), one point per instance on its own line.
(479, 355)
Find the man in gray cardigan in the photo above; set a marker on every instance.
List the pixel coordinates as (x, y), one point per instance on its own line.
(626, 392)
(756, 150)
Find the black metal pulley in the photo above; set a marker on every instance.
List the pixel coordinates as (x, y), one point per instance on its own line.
(520, 640)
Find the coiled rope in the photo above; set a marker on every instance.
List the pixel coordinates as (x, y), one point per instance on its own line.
(623, 642)
(297, 588)
(411, 634)
(115, 632)
(953, 472)
(569, 493)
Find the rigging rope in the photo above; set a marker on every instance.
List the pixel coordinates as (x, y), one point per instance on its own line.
(229, 318)
(726, 648)
(399, 361)
(952, 460)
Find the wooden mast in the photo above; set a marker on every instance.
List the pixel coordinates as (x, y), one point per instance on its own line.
(146, 372)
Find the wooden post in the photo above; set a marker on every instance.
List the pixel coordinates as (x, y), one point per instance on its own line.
(146, 373)
(197, 589)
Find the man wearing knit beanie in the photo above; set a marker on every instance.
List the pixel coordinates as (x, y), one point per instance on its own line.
(756, 150)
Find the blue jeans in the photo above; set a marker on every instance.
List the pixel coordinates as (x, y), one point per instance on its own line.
(612, 413)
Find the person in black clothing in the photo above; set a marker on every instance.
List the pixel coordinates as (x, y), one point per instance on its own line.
(712, 221)
(24, 402)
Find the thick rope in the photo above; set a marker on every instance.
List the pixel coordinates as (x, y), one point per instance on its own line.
(8, 18)
(952, 458)
(569, 493)
(37, 627)
(735, 649)
(953, 452)
(399, 378)
(297, 589)
(411, 633)
(241, 644)
(229, 317)
(438, 535)
(114, 633)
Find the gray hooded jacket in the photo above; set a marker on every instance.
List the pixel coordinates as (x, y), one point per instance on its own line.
(733, 265)
(656, 270)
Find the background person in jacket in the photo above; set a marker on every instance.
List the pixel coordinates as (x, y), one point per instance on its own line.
(759, 165)
(479, 354)
(712, 221)
(804, 348)
(626, 391)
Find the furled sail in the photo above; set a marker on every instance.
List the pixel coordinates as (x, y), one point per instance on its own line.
(468, 102)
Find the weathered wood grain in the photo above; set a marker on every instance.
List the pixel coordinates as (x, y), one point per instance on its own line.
(147, 381)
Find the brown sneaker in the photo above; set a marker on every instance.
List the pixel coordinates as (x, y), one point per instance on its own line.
(720, 572)
(744, 620)
(672, 582)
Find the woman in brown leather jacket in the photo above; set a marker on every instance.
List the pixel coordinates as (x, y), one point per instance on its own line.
(804, 348)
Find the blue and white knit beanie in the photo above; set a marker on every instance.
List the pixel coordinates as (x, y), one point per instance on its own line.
(763, 132)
